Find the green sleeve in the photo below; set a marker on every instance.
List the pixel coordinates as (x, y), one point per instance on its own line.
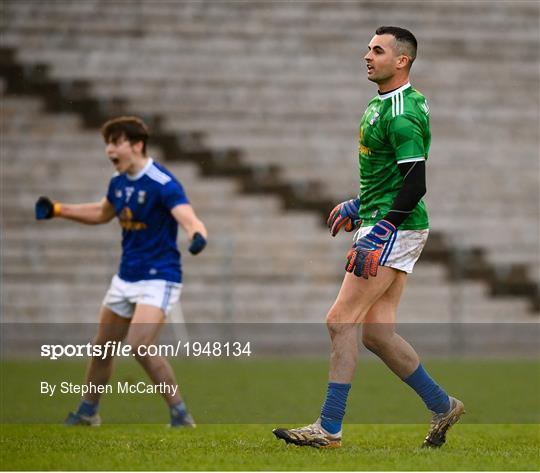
(406, 138)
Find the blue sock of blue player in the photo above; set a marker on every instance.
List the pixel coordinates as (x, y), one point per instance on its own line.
(333, 409)
(431, 393)
(87, 409)
(179, 411)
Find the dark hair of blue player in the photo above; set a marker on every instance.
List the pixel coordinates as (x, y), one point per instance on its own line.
(406, 43)
(132, 129)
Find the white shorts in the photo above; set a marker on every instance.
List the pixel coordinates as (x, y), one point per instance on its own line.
(122, 296)
(402, 250)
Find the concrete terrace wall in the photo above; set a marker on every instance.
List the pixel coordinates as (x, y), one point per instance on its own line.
(284, 82)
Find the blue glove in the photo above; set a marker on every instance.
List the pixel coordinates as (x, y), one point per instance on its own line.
(44, 208)
(344, 215)
(363, 258)
(198, 242)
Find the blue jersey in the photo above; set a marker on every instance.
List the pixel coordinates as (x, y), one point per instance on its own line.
(143, 206)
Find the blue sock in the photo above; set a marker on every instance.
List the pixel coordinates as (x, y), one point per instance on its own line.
(431, 393)
(333, 409)
(179, 410)
(87, 409)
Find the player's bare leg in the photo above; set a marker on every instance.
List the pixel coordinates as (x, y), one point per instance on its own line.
(379, 336)
(111, 328)
(378, 331)
(352, 304)
(146, 325)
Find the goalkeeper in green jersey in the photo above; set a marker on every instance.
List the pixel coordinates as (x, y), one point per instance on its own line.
(392, 229)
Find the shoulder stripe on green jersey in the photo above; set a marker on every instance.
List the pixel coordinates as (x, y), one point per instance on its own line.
(397, 104)
(412, 160)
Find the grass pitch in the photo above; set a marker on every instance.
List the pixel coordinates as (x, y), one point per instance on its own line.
(253, 447)
(385, 423)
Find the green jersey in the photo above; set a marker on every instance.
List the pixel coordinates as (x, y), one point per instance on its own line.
(393, 130)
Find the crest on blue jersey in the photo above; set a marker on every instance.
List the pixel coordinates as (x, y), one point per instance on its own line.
(141, 197)
(118, 193)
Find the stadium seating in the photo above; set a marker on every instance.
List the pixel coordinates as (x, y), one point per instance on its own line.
(67, 266)
(285, 83)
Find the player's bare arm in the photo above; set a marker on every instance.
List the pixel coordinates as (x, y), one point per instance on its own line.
(192, 225)
(90, 213)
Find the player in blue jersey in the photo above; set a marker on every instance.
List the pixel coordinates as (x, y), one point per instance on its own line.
(393, 226)
(149, 203)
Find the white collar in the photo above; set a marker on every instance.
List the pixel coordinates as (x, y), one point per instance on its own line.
(394, 92)
(142, 172)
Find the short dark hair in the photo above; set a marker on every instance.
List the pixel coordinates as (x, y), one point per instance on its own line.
(405, 40)
(132, 128)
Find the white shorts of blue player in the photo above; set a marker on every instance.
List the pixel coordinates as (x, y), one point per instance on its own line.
(123, 296)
